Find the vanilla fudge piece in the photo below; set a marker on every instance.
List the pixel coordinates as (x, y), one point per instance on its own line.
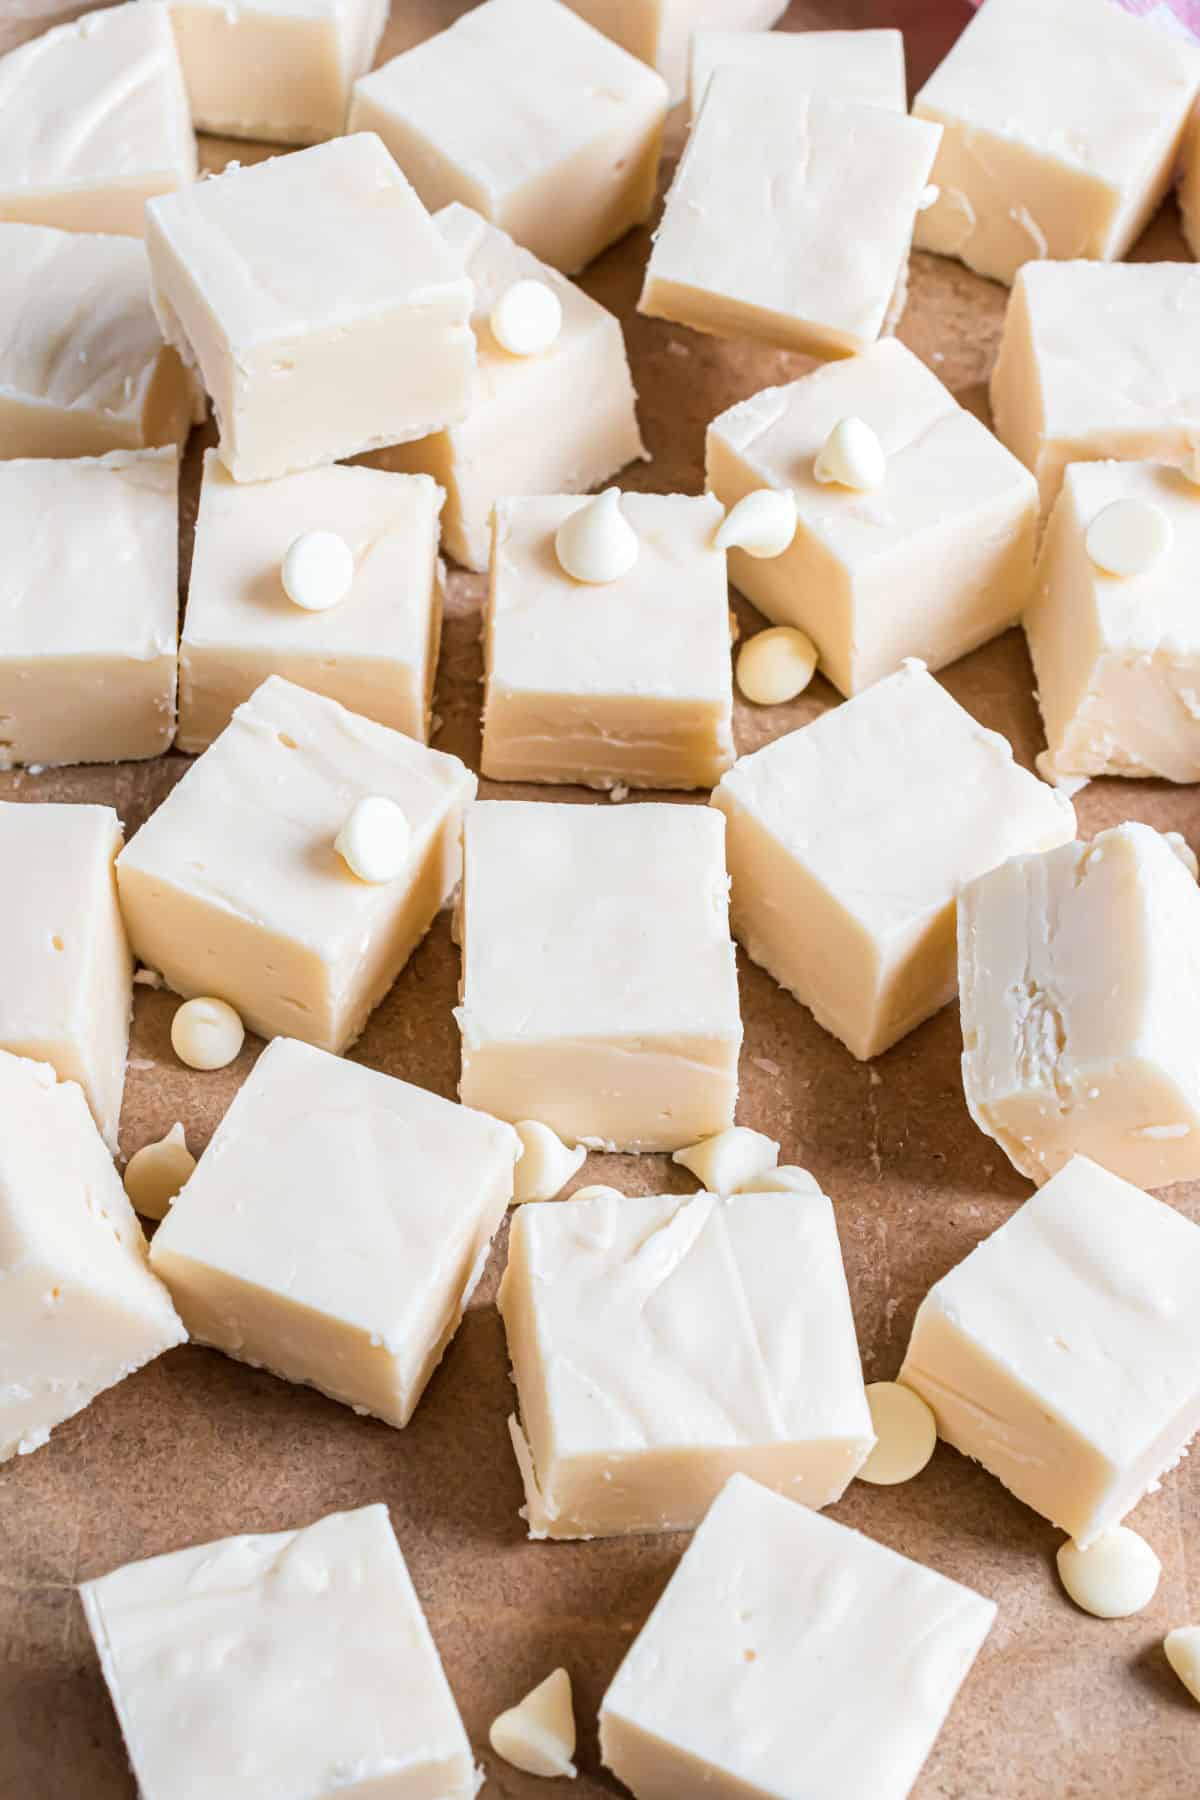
(81, 1307)
(1063, 1353)
(88, 643)
(659, 31)
(83, 365)
(789, 1657)
(1079, 976)
(1135, 322)
(1062, 126)
(867, 66)
(65, 971)
(311, 1650)
(626, 682)
(799, 279)
(279, 71)
(930, 564)
(850, 840)
(233, 886)
(628, 1422)
(523, 112)
(292, 285)
(375, 651)
(94, 122)
(599, 989)
(581, 383)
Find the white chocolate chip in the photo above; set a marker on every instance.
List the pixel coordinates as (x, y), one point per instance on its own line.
(1184, 852)
(905, 1434)
(929, 197)
(318, 570)
(375, 841)
(776, 665)
(527, 318)
(1127, 537)
(546, 1164)
(537, 1736)
(597, 543)
(730, 1162)
(206, 1033)
(1182, 1648)
(1070, 785)
(155, 1173)
(597, 1191)
(763, 523)
(786, 1179)
(852, 456)
(1116, 1575)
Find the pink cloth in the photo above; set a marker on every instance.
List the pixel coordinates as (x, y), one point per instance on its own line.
(1181, 14)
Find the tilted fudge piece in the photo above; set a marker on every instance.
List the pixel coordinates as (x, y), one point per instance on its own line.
(526, 114)
(233, 886)
(88, 645)
(311, 1650)
(292, 284)
(1063, 1353)
(659, 31)
(1079, 979)
(867, 66)
(851, 839)
(559, 421)
(599, 989)
(65, 970)
(931, 563)
(374, 1204)
(81, 1308)
(799, 279)
(627, 681)
(789, 1656)
(1062, 128)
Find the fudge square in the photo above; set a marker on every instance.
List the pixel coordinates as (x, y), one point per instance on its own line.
(516, 106)
(376, 651)
(233, 887)
(65, 970)
(789, 1658)
(867, 66)
(628, 682)
(556, 423)
(1062, 129)
(336, 1227)
(292, 285)
(1139, 322)
(88, 648)
(864, 827)
(658, 31)
(1064, 1353)
(81, 1308)
(799, 279)
(311, 1650)
(630, 1423)
(931, 564)
(599, 989)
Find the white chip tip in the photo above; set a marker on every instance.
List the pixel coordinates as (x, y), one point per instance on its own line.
(788, 1178)
(1128, 537)
(1068, 785)
(905, 1434)
(851, 456)
(1114, 1576)
(930, 195)
(596, 543)
(155, 1173)
(598, 1191)
(1184, 852)
(375, 841)
(206, 1033)
(763, 523)
(537, 1735)
(545, 1165)
(1182, 1650)
(527, 318)
(733, 1160)
(776, 665)
(317, 570)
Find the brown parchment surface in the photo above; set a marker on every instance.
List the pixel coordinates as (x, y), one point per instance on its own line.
(196, 1446)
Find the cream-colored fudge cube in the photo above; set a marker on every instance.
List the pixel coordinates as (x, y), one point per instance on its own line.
(1062, 1354)
(1079, 982)
(81, 1308)
(65, 970)
(282, 1664)
(599, 989)
(233, 886)
(789, 1658)
(799, 278)
(867, 66)
(850, 840)
(932, 563)
(659, 31)
(292, 285)
(529, 116)
(1062, 128)
(627, 683)
(83, 366)
(627, 1422)
(280, 71)
(94, 122)
(88, 644)
(556, 423)
(1117, 658)
(1099, 361)
(375, 651)
(374, 1204)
